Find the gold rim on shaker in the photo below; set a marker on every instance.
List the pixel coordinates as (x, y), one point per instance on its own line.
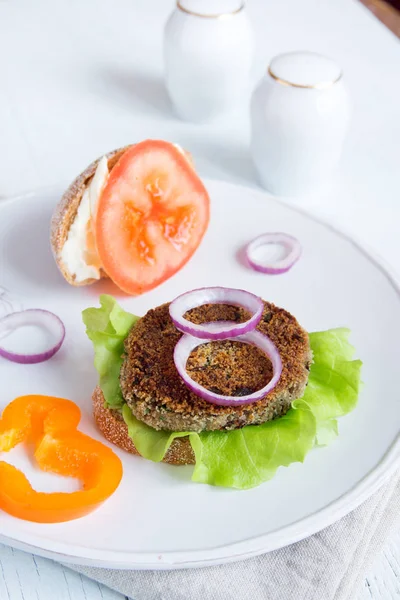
(207, 16)
(316, 86)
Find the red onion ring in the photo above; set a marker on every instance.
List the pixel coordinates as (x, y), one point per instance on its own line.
(216, 295)
(278, 266)
(35, 316)
(187, 343)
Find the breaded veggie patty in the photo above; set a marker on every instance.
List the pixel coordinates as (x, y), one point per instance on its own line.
(157, 396)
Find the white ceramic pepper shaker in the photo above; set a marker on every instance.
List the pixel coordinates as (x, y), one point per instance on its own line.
(299, 112)
(208, 54)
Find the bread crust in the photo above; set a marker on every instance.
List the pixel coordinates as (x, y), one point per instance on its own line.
(65, 213)
(114, 429)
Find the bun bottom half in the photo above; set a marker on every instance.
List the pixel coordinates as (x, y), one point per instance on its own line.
(113, 427)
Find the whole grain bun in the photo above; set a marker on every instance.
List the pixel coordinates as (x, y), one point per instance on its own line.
(67, 208)
(114, 429)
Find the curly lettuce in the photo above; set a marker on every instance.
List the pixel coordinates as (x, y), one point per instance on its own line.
(107, 328)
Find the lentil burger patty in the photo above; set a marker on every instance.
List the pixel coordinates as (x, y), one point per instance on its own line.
(157, 395)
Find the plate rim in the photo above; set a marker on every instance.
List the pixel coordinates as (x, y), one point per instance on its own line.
(237, 551)
(256, 545)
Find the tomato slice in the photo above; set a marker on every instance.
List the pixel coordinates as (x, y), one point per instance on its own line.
(151, 216)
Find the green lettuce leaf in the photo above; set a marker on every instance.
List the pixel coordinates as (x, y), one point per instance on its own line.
(107, 327)
(242, 458)
(245, 457)
(149, 442)
(334, 381)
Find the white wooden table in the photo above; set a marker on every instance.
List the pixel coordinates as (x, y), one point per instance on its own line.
(80, 78)
(27, 577)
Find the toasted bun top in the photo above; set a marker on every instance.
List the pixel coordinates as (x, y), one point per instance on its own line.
(67, 208)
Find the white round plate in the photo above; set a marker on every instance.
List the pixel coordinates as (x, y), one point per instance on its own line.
(158, 518)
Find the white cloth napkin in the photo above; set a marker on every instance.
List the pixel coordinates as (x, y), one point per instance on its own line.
(330, 565)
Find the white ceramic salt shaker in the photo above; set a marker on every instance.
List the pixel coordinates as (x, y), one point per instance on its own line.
(300, 112)
(208, 54)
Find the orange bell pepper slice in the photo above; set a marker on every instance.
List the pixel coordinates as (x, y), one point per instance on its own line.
(50, 425)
